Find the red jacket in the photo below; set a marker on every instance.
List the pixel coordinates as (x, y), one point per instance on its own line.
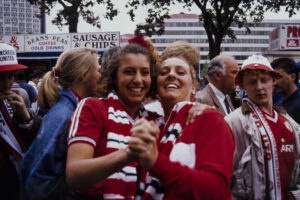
(195, 161)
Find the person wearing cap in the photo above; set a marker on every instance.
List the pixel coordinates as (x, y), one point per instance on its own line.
(221, 74)
(267, 154)
(286, 86)
(18, 126)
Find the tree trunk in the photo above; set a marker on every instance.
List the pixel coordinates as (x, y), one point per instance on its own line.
(215, 47)
(73, 22)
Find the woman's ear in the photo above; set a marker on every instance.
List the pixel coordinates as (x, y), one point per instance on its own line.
(193, 93)
(193, 90)
(83, 77)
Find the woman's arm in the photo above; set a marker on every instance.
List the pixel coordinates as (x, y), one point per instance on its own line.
(87, 133)
(83, 169)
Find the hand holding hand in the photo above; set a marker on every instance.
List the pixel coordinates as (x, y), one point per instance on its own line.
(143, 142)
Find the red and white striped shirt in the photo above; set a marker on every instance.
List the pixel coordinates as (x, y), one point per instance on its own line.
(105, 125)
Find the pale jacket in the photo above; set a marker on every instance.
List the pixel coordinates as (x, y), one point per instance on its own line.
(248, 178)
(207, 96)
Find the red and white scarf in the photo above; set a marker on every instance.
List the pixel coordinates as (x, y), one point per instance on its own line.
(269, 144)
(119, 124)
(171, 132)
(9, 135)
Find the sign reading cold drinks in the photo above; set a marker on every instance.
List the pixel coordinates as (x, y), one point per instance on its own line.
(49, 42)
(61, 42)
(285, 37)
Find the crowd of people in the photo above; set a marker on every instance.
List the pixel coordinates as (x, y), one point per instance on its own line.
(134, 124)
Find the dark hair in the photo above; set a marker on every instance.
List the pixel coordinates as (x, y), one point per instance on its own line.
(36, 74)
(107, 55)
(288, 65)
(140, 39)
(108, 80)
(20, 75)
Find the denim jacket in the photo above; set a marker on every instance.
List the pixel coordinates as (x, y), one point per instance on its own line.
(248, 177)
(43, 167)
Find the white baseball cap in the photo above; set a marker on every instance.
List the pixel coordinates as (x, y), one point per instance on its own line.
(256, 62)
(8, 59)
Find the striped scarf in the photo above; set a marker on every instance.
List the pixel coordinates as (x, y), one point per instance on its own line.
(122, 184)
(269, 144)
(9, 135)
(171, 132)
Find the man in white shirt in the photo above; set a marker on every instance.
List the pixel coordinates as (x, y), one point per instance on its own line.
(34, 80)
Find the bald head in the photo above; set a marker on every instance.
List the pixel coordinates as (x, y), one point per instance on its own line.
(219, 63)
(222, 71)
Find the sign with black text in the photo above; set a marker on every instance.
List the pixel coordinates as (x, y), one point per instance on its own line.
(100, 41)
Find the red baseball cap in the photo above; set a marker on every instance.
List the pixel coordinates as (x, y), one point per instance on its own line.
(8, 59)
(256, 62)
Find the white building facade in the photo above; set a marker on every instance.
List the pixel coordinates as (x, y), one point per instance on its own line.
(188, 28)
(18, 17)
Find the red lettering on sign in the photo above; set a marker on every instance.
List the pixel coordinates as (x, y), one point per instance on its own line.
(293, 31)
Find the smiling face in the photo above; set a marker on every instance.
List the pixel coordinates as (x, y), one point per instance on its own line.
(133, 80)
(174, 81)
(259, 87)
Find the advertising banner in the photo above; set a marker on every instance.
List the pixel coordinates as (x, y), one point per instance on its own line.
(47, 42)
(99, 41)
(285, 37)
(52, 45)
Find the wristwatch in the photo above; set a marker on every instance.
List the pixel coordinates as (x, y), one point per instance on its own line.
(27, 124)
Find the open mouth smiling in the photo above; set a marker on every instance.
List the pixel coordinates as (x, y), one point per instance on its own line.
(172, 86)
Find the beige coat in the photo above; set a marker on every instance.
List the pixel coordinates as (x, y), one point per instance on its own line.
(207, 96)
(248, 178)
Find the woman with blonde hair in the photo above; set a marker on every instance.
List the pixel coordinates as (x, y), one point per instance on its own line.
(192, 160)
(74, 77)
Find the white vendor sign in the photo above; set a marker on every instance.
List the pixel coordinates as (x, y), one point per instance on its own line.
(51, 45)
(100, 41)
(47, 42)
